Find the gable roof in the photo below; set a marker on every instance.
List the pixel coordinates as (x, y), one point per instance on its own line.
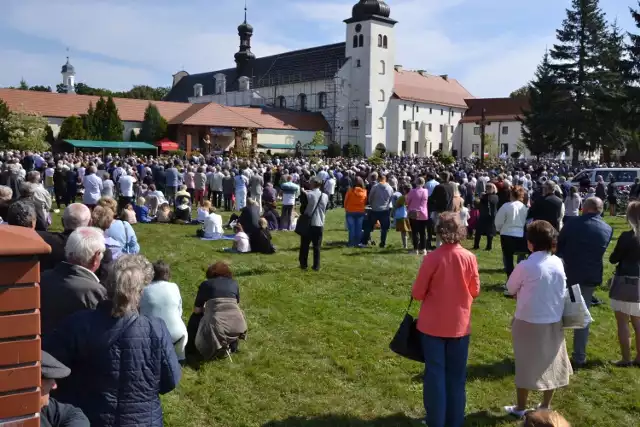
(132, 110)
(427, 88)
(496, 109)
(298, 66)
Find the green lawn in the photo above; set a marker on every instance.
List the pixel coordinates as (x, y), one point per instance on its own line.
(317, 351)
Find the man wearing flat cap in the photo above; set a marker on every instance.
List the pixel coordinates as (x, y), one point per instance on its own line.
(52, 412)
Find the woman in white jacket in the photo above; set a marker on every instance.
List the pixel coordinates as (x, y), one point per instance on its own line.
(510, 222)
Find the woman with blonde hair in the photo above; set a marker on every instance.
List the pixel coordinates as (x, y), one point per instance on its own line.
(544, 418)
(121, 360)
(488, 206)
(625, 286)
(447, 283)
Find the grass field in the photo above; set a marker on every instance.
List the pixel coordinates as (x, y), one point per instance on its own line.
(317, 351)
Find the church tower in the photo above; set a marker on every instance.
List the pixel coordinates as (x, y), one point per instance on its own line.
(244, 57)
(69, 77)
(371, 49)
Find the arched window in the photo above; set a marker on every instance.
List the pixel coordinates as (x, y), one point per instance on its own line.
(322, 100)
(382, 97)
(383, 67)
(385, 42)
(302, 102)
(360, 40)
(355, 41)
(282, 102)
(379, 40)
(381, 123)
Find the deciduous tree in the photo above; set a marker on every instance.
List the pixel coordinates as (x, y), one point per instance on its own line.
(72, 128)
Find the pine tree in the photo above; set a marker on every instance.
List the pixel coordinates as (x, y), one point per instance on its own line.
(114, 126)
(633, 89)
(576, 59)
(132, 136)
(540, 131)
(154, 126)
(88, 120)
(72, 128)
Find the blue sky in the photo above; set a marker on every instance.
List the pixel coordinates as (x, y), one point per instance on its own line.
(490, 46)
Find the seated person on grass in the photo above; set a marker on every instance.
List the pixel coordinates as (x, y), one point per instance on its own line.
(262, 240)
(129, 214)
(182, 212)
(241, 243)
(164, 213)
(142, 211)
(212, 227)
(203, 211)
(272, 216)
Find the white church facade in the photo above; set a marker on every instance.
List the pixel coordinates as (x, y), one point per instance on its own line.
(366, 98)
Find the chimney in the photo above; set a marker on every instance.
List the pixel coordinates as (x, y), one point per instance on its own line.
(445, 77)
(221, 83)
(398, 67)
(197, 90)
(244, 84)
(423, 73)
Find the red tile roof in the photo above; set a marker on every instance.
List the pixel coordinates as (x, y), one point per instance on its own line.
(132, 110)
(496, 109)
(427, 88)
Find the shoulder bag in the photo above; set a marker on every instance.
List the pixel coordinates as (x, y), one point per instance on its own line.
(575, 315)
(303, 224)
(406, 341)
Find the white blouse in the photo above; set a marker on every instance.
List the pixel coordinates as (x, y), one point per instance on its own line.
(539, 284)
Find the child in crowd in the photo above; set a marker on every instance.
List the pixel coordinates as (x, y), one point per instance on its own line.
(164, 213)
(203, 211)
(142, 211)
(128, 214)
(400, 213)
(474, 215)
(544, 418)
(241, 243)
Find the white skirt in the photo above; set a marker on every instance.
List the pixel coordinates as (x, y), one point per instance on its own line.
(628, 308)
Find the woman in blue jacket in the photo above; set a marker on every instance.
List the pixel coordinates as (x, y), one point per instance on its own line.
(121, 361)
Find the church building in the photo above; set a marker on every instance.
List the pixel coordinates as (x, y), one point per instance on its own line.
(365, 97)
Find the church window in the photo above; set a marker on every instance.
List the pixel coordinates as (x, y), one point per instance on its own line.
(417, 126)
(442, 112)
(404, 146)
(476, 130)
(416, 147)
(417, 109)
(385, 42)
(453, 129)
(381, 123)
(322, 100)
(441, 128)
(382, 97)
(430, 110)
(405, 107)
(355, 123)
(355, 41)
(360, 40)
(302, 102)
(358, 63)
(379, 40)
(282, 102)
(383, 67)
(404, 124)
(430, 127)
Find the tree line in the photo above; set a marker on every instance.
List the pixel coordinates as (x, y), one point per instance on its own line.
(585, 93)
(137, 92)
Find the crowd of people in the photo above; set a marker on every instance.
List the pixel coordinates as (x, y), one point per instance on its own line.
(110, 317)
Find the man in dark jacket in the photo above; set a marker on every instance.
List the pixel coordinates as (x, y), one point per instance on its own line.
(72, 285)
(52, 412)
(549, 207)
(581, 245)
(443, 194)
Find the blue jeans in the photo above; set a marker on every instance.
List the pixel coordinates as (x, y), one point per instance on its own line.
(354, 225)
(445, 377)
(581, 336)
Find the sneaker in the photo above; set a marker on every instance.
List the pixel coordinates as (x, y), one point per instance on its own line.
(513, 410)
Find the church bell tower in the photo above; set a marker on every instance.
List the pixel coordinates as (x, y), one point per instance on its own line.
(244, 56)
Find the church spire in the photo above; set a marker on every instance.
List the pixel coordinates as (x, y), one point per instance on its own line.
(244, 56)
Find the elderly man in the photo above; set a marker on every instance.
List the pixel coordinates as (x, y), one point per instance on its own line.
(6, 194)
(256, 187)
(41, 195)
(581, 245)
(22, 214)
(73, 285)
(92, 187)
(549, 207)
(52, 412)
(74, 216)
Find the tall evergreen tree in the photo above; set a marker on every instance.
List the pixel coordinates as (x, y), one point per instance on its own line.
(633, 89)
(88, 120)
(576, 59)
(541, 132)
(107, 125)
(154, 126)
(72, 128)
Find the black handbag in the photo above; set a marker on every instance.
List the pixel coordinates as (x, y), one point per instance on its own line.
(406, 341)
(304, 221)
(625, 289)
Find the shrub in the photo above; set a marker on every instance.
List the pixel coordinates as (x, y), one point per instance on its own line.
(334, 150)
(515, 155)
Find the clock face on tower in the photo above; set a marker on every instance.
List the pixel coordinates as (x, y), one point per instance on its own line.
(358, 28)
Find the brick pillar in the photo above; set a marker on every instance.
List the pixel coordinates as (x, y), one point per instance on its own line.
(188, 136)
(20, 333)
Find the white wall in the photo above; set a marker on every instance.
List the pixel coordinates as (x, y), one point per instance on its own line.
(56, 123)
(511, 139)
(277, 136)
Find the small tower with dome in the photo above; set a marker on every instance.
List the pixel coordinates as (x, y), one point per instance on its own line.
(69, 77)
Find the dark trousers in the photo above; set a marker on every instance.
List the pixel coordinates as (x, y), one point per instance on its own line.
(510, 247)
(419, 234)
(445, 378)
(285, 218)
(430, 233)
(343, 194)
(227, 202)
(476, 241)
(216, 198)
(313, 238)
(385, 223)
(331, 203)
(60, 199)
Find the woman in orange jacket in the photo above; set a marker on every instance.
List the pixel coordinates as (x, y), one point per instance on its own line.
(354, 205)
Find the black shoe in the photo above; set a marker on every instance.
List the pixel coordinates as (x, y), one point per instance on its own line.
(382, 245)
(578, 365)
(596, 302)
(304, 268)
(315, 268)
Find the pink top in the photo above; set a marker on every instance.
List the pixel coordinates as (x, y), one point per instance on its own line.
(417, 200)
(447, 283)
